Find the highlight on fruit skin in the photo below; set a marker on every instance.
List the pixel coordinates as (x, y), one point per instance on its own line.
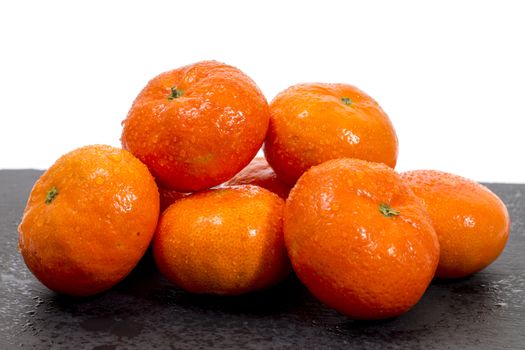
(260, 173)
(88, 220)
(472, 223)
(359, 239)
(311, 123)
(225, 241)
(197, 126)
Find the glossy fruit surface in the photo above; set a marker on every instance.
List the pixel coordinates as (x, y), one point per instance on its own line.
(313, 123)
(88, 220)
(197, 126)
(259, 173)
(471, 222)
(223, 241)
(359, 239)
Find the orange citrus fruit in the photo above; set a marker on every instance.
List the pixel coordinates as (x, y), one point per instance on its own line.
(471, 222)
(259, 173)
(88, 220)
(223, 241)
(197, 126)
(359, 239)
(313, 123)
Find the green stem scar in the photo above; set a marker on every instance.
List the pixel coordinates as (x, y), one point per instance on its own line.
(175, 93)
(51, 194)
(387, 210)
(346, 100)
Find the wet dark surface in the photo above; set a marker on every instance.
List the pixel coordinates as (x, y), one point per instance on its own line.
(144, 311)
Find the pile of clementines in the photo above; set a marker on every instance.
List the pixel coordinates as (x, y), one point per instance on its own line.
(325, 201)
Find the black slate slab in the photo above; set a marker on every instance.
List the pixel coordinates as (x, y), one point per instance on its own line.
(484, 311)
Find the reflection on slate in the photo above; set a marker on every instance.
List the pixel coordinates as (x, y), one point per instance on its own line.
(486, 310)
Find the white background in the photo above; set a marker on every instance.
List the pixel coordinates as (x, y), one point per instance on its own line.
(450, 74)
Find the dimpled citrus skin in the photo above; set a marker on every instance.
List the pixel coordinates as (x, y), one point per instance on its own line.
(471, 222)
(223, 241)
(205, 133)
(347, 252)
(310, 124)
(88, 220)
(259, 173)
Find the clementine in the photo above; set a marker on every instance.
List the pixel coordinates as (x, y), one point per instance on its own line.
(359, 239)
(313, 123)
(471, 222)
(88, 220)
(259, 173)
(223, 241)
(197, 126)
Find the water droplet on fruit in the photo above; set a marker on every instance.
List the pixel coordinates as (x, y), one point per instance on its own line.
(363, 193)
(303, 114)
(349, 137)
(363, 233)
(116, 157)
(469, 221)
(392, 251)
